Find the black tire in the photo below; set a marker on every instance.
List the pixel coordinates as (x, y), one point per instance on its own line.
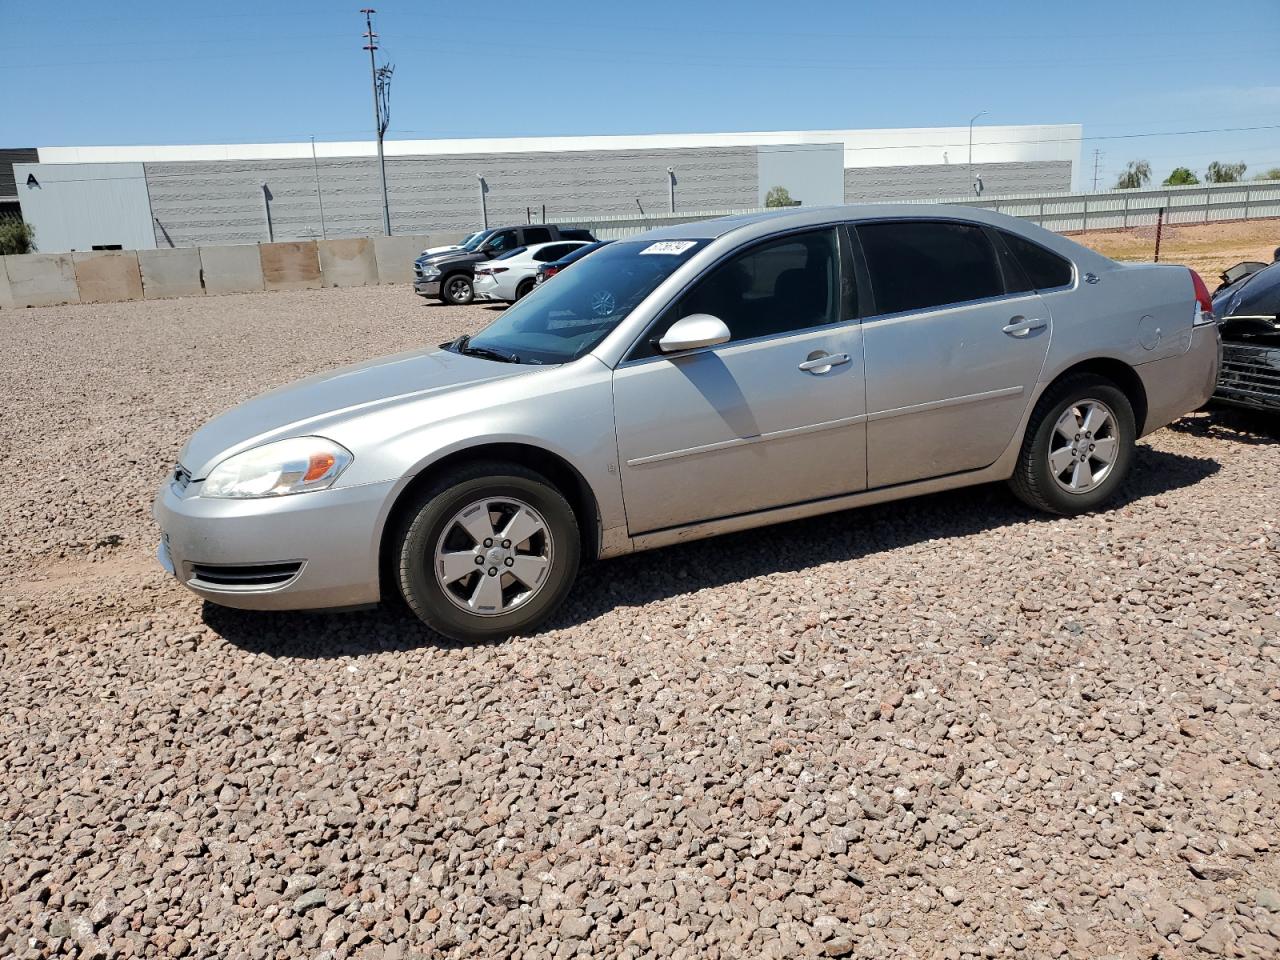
(523, 288)
(1033, 481)
(456, 289)
(435, 507)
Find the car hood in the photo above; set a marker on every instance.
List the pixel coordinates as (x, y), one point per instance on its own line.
(434, 251)
(1256, 295)
(452, 258)
(311, 406)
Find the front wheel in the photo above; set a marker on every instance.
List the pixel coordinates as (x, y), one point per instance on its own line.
(1078, 448)
(457, 290)
(488, 551)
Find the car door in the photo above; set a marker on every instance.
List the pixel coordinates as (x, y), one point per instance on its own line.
(952, 356)
(759, 421)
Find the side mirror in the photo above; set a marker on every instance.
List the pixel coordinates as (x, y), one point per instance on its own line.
(694, 332)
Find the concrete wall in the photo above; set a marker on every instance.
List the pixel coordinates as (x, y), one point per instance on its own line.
(395, 256)
(873, 184)
(170, 273)
(78, 206)
(107, 276)
(349, 263)
(290, 266)
(41, 279)
(222, 202)
(6, 295)
(231, 269)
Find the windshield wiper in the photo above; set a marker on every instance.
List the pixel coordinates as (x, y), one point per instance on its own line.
(463, 345)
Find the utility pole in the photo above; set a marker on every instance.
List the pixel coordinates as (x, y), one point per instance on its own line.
(972, 182)
(1097, 155)
(315, 168)
(381, 77)
(671, 186)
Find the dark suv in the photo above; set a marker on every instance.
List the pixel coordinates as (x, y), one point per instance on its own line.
(447, 276)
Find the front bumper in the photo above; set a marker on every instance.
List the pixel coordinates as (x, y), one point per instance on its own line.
(427, 288)
(331, 536)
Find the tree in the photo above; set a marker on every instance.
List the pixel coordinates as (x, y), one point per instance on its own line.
(1272, 174)
(16, 237)
(1181, 177)
(1136, 174)
(779, 197)
(1224, 172)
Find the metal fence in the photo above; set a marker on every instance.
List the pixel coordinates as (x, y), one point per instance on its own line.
(1060, 212)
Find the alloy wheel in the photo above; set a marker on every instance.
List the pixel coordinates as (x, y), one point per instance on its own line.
(493, 556)
(1083, 446)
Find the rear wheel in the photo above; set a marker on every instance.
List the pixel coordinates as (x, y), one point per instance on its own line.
(1078, 448)
(456, 289)
(523, 289)
(489, 551)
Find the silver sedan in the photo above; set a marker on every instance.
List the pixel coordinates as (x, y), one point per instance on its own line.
(687, 382)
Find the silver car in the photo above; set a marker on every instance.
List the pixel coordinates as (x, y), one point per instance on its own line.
(692, 381)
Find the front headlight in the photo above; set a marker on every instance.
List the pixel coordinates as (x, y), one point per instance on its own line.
(430, 272)
(276, 469)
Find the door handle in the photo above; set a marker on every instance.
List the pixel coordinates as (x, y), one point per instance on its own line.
(819, 362)
(1021, 326)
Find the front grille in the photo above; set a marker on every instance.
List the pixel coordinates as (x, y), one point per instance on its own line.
(417, 270)
(245, 576)
(1250, 375)
(181, 478)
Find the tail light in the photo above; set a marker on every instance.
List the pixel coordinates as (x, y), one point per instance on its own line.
(483, 271)
(550, 271)
(499, 269)
(1204, 302)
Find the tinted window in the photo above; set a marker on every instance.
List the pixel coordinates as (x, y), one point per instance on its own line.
(576, 233)
(1044, 269)
(919, 264)
(553, 252)
(514, 252)
(534, 235)
(777, 287)
(504, 240)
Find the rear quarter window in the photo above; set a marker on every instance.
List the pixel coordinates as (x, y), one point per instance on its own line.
(1044, 268)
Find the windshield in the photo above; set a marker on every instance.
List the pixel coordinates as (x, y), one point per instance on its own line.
(473, 241)
(566, 317)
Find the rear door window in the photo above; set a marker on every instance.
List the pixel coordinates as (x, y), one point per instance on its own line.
(534, 235)
(923, 264)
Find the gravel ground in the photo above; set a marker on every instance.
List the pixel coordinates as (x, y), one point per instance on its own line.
(945, 727)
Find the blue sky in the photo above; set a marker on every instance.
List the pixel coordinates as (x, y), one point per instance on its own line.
(234, 71)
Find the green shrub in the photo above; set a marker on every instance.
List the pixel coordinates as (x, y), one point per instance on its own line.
(16, 236)
(779, 197)
(1219, 172)
(1181, 177)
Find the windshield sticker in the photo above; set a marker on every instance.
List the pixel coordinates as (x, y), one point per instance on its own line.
(675, 247)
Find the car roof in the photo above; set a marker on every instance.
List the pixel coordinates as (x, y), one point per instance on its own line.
(790, 217)
(747, 227)
(530, 248)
